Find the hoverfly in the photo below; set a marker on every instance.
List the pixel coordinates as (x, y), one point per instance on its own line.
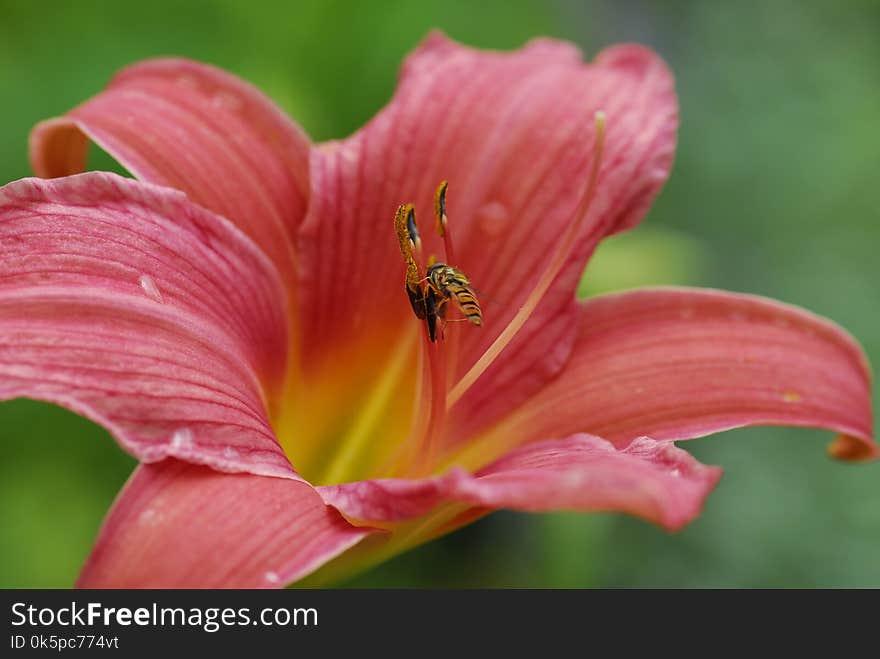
(427, 306)
(445, 283)
(430, 296)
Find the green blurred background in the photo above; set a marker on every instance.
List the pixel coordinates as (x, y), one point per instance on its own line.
(774, 191)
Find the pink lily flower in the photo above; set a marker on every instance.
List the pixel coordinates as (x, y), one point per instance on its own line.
(238, 317)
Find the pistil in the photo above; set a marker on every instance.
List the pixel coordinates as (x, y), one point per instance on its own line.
(558, 260)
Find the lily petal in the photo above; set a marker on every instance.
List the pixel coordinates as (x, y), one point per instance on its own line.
(653, 480)
(197, 129)
(177, 525)
(153, 317)
(478, 119)
(677, 363)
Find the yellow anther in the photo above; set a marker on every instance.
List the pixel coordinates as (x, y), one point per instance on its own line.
(402, 229)
(405, 227)
(412, 275)
(408, 239)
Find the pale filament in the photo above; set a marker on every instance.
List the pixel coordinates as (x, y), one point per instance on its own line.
(556, 263)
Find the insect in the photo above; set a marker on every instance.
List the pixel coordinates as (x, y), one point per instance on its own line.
(426, 305)
(445, 283)
(430, 296)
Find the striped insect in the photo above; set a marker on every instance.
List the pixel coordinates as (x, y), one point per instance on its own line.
(430, 295)
(426, 304)
(448, 283)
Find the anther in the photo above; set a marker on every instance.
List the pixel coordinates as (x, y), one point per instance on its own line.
(442, 223)
(415, 240)
(440, 208)
(405, 228)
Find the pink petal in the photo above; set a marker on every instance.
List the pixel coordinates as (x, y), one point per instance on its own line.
(130, 305)
(649, 479)
(682, 363)
(198, 129)
(513, 134)
(177, 525)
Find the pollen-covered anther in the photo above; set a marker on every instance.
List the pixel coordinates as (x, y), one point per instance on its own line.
(408, 240)
(407, 233)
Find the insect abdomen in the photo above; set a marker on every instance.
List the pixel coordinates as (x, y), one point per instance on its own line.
(469, 305)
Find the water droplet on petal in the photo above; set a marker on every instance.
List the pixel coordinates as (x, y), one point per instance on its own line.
(676, 473)
(571, 480)
(226, 100)
(182, 439)
(187, 81)
(658, 174)
(349, 153)
(149, 516)
(492, 218)
(150, 288)
(272, 577)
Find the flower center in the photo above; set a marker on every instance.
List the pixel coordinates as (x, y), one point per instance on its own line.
(380, 417)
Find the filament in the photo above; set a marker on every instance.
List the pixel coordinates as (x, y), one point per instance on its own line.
(556, 263)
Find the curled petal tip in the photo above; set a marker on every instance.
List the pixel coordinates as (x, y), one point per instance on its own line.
(853, 449)
(58, 147)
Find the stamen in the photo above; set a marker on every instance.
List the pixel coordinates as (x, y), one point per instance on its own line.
(408, 239)
(443, 231)
(429, 297)
(401, 228)
(435, 374)
(415, 240)
(558, 260)
(440, 208)
(443, 221)
(422, 450)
